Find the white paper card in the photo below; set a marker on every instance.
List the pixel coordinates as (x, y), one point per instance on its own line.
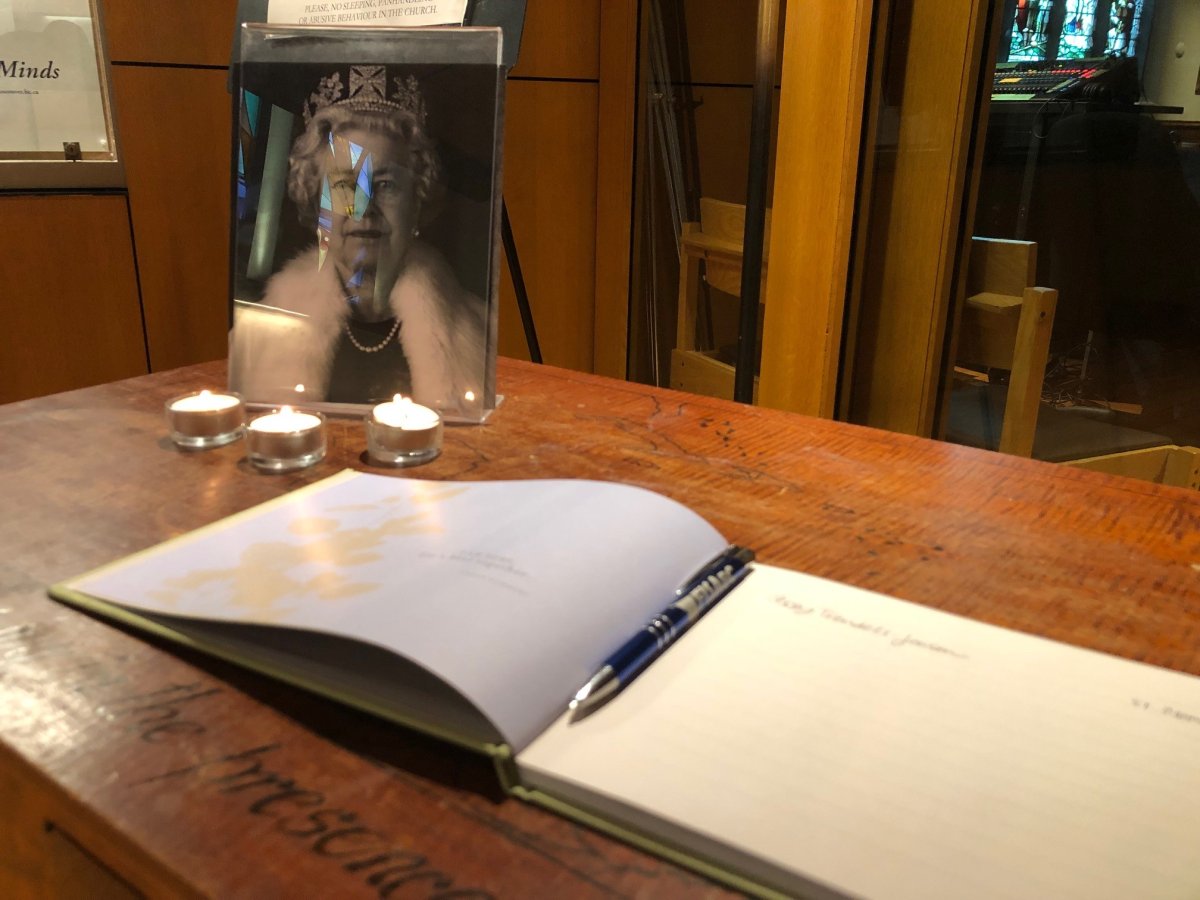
(413, 13)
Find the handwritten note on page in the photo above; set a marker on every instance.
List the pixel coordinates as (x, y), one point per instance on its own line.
(824, 738)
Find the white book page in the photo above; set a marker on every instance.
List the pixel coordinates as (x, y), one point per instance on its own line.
(513, 592)
(814, 735)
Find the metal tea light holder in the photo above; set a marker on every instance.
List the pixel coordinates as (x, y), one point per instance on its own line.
(285, 440)
(403, 433)
(204, 419)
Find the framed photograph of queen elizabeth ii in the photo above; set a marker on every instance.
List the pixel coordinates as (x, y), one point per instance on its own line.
(366, 205)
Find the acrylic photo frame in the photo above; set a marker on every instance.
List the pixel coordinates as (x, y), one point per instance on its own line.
(366, 194)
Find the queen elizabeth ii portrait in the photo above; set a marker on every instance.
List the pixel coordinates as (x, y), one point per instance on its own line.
(366, 309)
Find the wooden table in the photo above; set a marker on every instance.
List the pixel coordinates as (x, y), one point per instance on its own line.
(125, 764)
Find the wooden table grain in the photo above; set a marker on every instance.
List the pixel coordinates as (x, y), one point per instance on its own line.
(128, 766)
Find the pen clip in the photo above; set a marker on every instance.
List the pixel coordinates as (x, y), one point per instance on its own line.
(732, 553)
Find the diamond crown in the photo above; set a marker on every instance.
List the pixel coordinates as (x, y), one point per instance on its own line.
(367, 88)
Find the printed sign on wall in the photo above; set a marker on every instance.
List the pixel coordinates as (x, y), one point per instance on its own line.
(366, 12)
(50, 90)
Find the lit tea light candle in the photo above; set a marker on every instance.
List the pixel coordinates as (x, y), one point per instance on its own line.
(285, 440)
(403, 433)
(203, 419)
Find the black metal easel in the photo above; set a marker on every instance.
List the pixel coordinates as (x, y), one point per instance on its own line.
(514, 268)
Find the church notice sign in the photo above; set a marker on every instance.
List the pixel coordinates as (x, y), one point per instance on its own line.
(366, 12)
(50, 91)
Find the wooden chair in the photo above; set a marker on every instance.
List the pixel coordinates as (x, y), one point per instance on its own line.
(1173, 465)
(1005, 327)
(713, 244)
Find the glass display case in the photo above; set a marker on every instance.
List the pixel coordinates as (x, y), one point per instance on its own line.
(56, 123)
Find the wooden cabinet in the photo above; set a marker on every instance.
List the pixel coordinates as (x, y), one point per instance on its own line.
(175, 133)
(172, 105)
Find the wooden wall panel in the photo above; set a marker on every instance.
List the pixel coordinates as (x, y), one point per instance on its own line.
(174, 126)
(550, 186)
(180, 201)
(723, 135)
(614, 184)
(183, 32)
(561, 40)
(721, 40)
(70, 299)
(562, 172)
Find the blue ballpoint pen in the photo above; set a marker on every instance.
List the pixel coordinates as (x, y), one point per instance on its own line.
(714, 580)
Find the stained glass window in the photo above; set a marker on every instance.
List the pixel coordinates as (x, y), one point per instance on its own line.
(1074, 29)
(1078, 29)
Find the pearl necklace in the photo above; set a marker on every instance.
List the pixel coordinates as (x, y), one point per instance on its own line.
(391, 334)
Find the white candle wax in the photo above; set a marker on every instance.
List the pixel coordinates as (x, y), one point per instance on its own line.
(403, 413)
(285, 421)
(205, 401)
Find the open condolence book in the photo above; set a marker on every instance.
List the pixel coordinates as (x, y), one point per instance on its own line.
(804, 737)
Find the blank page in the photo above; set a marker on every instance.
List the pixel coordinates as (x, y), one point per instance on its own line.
(502, 589)
(823, 738)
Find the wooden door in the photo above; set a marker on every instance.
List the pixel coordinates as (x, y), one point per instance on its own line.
(826, 57)
(879, 116)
